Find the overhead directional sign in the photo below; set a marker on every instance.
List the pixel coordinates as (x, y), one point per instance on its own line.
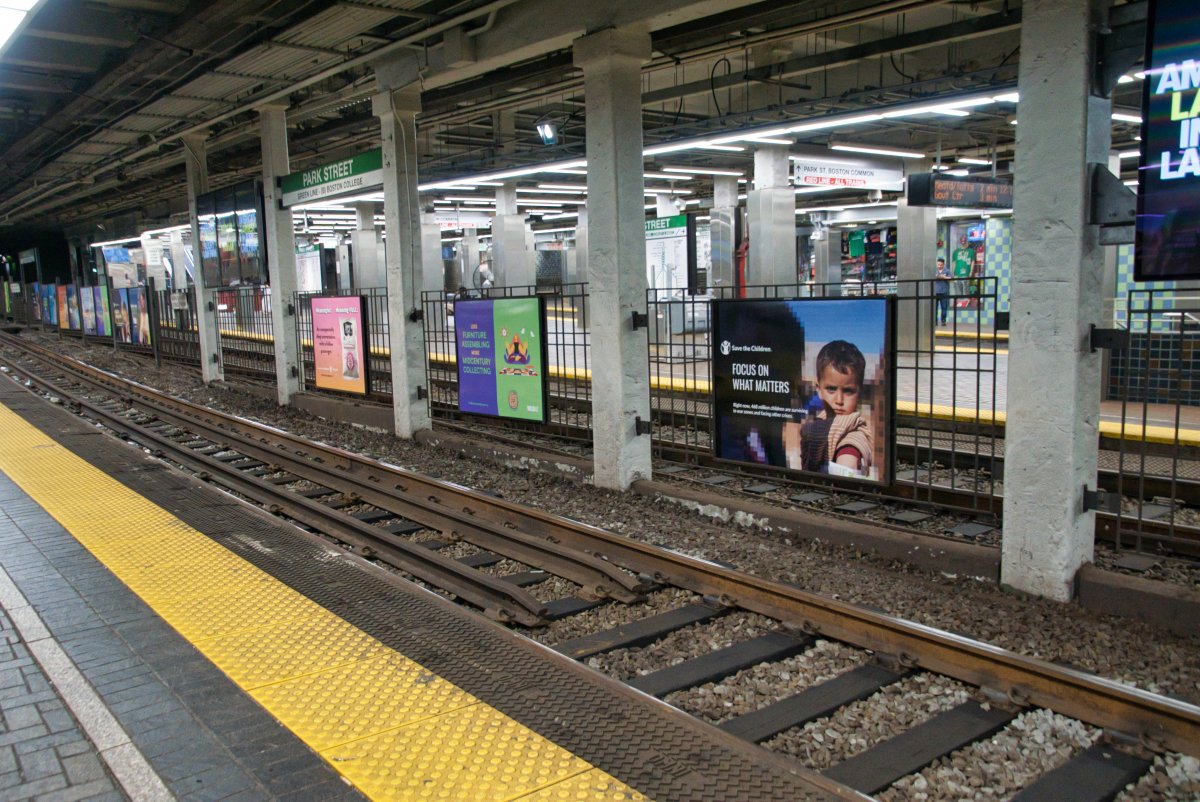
(834, 171)
(930, 189)
(352, 176)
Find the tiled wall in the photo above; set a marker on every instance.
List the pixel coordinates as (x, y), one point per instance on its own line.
(997, 264)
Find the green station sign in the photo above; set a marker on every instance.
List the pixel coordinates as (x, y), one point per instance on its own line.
(352, 176)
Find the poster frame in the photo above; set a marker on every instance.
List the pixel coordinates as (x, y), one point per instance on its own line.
(364, 334)
(889, 392)
(544, 348)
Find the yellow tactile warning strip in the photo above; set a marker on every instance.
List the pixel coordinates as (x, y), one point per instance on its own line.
(395, 730)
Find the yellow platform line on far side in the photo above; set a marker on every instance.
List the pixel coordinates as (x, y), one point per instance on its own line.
(392, 728)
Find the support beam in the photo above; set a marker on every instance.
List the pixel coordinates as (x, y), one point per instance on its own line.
(196, 164)
(510, 262)
(611, 61)
(281, 250)
(397, 113)
(367, 270)
(82, 25)
(1053, 377)
(723, 222)
(771, 207)
(916, 258)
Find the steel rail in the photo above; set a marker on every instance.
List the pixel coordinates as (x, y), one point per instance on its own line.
(1158, 722)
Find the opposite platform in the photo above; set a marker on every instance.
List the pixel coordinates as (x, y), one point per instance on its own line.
(401, 692)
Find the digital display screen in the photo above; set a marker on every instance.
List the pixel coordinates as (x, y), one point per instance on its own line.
(927, 189)
(1168, 221)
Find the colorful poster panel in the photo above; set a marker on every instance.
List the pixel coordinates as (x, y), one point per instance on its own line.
(103, 322)
(37, 301)
(340, 344)
(64, 319)
(139, 309)
(87, 304)
(121, 317)
(804, 385)
(73, 321)
(502, 358)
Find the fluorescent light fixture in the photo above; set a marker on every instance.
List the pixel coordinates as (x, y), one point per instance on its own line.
(460, 183)
(560, 216)
(729, 148)
(115, 242)
(759, 135)
(538, 202)
(1129, 154)
(564, 187)
(543, 188)
(664, 191)
(953, 108)
(958, 172)
(834, 123)
(1009, 97)
(487, 201)
(554, 230)
(904, 154)
(767, 141)
(701, 171)
(1014, 122)
(671, 176)
(1127, 118)
(548, 131)
(969, 160)
(1132, 183)
(1126, 79)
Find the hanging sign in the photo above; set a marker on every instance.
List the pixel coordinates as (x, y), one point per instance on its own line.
(349, 176)
(1168, 218)
(930, 189)
(834, 171)
(339, 343)
(502, 357)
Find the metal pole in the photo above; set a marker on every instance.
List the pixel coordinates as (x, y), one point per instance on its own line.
(153, 305)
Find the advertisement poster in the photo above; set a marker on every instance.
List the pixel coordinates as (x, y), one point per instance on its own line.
(339, 343)
(49, 305)
(121, 318)
(103, 324)
(60, 295)
(87, 303)
(1168, 217)
(37, 302)
(73, 320)
(502, 358)
(7, 303)
(804, 385)
(139, 312)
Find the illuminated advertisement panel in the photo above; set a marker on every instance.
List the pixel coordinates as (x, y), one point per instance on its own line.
(1168, 221)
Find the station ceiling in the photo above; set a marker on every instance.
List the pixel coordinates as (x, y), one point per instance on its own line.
(96, 94)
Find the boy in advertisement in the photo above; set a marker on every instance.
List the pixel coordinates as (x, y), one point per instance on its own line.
(837, 440)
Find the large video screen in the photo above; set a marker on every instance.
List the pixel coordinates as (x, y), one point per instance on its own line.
(1168, 221)
(804, 385)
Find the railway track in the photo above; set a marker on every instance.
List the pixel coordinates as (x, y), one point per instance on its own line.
(414, 524)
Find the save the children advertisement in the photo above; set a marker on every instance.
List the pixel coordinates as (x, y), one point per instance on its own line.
(339, 343)
(502, 357)
(804, 385)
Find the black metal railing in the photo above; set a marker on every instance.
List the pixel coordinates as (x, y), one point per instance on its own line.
(245, 333)
(178, 332)
(379, 372)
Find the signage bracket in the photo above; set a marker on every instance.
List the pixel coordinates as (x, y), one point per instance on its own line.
(1113, 206)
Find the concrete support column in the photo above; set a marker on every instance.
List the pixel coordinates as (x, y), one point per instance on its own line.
(470, 251)
(510, 261)
(195, 156)
(1058, 266)
(433, 267)
(580, 275)
(280, 238)
(367, 270)
(828, 269)
(611, 61)
(771, 207)
(722, 232)
(397, 113)
(916, 258)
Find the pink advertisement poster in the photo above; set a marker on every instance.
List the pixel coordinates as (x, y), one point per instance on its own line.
(339, 343)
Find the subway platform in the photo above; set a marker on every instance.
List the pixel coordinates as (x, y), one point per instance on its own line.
(165, 640)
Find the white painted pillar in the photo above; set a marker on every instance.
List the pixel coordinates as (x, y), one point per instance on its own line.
(771, 207)
(581, 247)
(510, 262)
(916, 258)
(397, 113)
(722, 232)
(196, 163)
(433, 267)
(1053, 378)
(611, 61)
(470, 244)
(367, 270)
(280, 236)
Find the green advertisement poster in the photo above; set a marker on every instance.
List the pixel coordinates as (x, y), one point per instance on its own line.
(104, 312)
(502, 358)
(7, 303)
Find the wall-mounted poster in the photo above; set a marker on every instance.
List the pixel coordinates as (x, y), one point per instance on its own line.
(73, 320)
(37, 302)
(64, 319)
(1168, 215)
(87, 304)
(103, 318)
(122, 321)
(502, 357)
(340, 343)
(139, 315)
(804, 385)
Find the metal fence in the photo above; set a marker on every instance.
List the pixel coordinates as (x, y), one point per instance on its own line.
(178, 333)
(569, 349)
(949, 385)
(245, 334)
(379, 372)
(1150, 426)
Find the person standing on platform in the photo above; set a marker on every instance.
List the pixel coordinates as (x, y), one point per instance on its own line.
(941, 291)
